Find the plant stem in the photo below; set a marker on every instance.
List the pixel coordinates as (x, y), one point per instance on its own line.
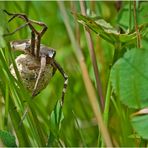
(130, 17)
(88, 84)
(93, 57)
(107, 102)
(136, 26)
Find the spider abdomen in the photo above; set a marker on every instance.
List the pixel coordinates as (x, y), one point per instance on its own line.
(28, 67)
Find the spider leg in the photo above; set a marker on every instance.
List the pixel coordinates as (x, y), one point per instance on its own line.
(25, 18)
(65, 80)
(40, 24)
(39, 35)
(14, 16)
(33, 30)
(11, 33)
(42, 67)
(38, 41)
(32, 42)
(30, 22)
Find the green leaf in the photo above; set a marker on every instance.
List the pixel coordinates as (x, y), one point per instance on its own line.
(140, 125)
(7, 138)
(123, 16)
(108, 32)
(129, 77)
(100, 27)
(125, 38)
(56, 119)
(2, 42)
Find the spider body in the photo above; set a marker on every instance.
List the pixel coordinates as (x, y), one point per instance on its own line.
(37, 65)
(28, 67)
(25, 46)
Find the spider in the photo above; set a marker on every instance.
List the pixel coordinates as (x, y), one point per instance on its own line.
(42, 58)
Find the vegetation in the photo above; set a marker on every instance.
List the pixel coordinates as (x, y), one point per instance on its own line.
(102, 46)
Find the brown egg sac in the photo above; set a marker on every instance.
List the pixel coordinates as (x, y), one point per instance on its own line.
(28, 67)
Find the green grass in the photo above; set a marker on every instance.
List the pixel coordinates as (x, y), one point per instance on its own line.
(88, 60)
